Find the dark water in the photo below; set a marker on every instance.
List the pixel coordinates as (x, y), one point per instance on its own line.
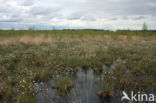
(86, 84)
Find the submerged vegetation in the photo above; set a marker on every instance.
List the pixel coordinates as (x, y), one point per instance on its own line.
(28, 57)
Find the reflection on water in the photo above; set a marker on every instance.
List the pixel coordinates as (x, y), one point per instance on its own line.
(84, 90)
(86, 84)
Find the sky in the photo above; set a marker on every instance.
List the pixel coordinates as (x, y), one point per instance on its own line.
(77, 14)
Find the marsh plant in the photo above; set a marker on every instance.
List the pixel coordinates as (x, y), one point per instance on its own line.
(63, 85)
(33, 56)
(107, 86)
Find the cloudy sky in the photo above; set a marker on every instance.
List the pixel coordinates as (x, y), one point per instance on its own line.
(77, 14)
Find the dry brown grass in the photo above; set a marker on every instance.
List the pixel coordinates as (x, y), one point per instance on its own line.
(34, 40)
(8, 41)
(41, 39)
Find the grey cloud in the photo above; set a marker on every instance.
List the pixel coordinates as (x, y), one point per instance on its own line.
(41, 10)
(115, 18)
(69, 11)
(73, 17)
(11, 20)
(122, 7)
(139, 18)
(28, 2)
(81, 16)
(88, 18)
(125, 18)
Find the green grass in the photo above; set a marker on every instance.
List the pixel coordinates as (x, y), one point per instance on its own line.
(62, 33)
(107, 87)
(63, 85)
(23, 64)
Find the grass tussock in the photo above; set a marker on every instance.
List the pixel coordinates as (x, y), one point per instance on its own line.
(63, 85)
(33, 56)
(107, 87)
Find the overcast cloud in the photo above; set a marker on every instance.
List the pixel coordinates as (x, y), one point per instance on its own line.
(97, 14)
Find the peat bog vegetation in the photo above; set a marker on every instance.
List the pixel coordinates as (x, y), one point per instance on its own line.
(34, 63)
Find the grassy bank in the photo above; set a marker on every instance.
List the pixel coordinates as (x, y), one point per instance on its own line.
(27, 57)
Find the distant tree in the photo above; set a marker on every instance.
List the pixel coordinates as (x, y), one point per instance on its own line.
(144, 27)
